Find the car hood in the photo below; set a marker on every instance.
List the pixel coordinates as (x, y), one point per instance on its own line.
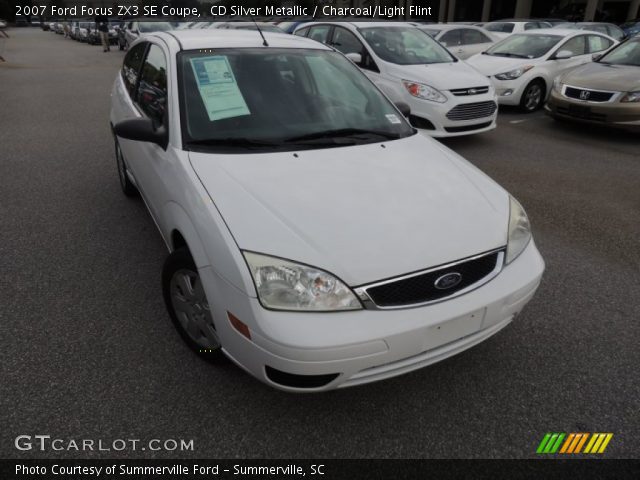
(364, 212)
(600, 76)
(490, 65)
(443, 76)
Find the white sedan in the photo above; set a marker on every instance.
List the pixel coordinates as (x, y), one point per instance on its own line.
(461, 40)
(523, 66)
(315, 239)
(447, 97)
(504, 28)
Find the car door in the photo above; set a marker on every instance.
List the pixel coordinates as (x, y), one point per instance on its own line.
(578, 47)
(149, 161)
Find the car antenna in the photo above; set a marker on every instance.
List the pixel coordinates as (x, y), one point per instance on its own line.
(264, 40)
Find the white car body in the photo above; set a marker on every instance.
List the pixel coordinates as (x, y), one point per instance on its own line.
(385, 210)
(515, 26)
(458, 38)
(545, 68)
(470, 105)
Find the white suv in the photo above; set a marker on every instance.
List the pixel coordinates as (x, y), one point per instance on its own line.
(446, 96)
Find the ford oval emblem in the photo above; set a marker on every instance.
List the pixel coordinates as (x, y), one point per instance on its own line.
(448, 281)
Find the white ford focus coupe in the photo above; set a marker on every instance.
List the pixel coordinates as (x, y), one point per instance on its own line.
(316, 239)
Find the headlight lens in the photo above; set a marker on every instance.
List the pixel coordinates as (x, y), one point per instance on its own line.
(519, 230)
(285, 285)
(423, 91)
(513, 74)
(631, 97)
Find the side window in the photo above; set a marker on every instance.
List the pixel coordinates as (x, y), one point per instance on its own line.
(473, 37)
(152, 91)
(319, 33)
(302, 32)
(531, 26)
(346, 42)
(131, 67)
(451, 39)
(577, 45)
(598, 44)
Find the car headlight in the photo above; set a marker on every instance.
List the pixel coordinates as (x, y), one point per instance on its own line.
(519, 230)
(285, 285)
(513, 74)
(423, 91)
(631, 97)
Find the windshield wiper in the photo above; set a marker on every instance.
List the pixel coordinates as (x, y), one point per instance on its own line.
(341, 133)
(504, 54)
(233, 142)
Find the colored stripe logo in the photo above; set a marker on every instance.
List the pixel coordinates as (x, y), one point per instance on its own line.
(573, 443)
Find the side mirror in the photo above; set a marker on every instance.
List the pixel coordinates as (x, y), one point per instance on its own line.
(404, 108)
(596, 56)
(142, 130)
(563, 55)
(354, 57)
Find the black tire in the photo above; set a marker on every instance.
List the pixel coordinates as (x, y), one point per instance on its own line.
(187, 305)
(533, 96)
(128, 188)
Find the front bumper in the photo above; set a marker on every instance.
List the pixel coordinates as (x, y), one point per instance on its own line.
(624, 115)
(369, 345)
(439, 125)
(509, 92)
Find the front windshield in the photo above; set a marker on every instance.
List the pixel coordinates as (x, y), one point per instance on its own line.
(405, 46)
(625, 54)
(148, 27)
(500, 27)
(281, 99)
(525, 46)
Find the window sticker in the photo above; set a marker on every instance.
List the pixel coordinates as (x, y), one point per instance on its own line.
(393, 118)
(218, 87)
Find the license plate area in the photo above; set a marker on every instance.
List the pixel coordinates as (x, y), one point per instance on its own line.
(579, 111)
(454, 329)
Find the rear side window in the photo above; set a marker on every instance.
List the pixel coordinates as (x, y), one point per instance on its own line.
(473, 37)
(319, 33)
(152, 91)
(451, 38)
(131, 66)
(302, 32)
(531, 26)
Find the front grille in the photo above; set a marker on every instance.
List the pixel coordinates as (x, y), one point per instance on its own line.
(421, 288)
(468, 128)
(589, 95)
(471, 111)
(463, 92)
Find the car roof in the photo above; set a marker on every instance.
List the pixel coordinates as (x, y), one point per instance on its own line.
(360, 24)
(232, 38)
(562, 32)
(449, 26)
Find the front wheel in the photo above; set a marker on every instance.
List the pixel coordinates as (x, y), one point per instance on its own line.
(188, 306)
(533, 96)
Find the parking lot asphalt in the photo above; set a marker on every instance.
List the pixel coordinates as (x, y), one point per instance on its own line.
(87, 349)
